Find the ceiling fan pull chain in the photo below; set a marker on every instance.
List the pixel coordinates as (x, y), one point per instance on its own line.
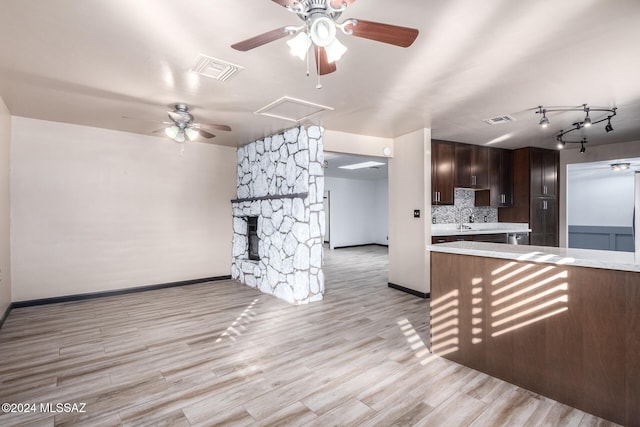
(318, 85)
(182, 150)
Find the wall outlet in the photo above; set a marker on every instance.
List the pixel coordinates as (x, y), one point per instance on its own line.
(433, 219)
(416, 213)
(486, 219)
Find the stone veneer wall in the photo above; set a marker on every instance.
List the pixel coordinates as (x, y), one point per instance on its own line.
(286, 169)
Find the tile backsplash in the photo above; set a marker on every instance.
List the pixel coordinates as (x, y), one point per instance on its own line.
(463, 199)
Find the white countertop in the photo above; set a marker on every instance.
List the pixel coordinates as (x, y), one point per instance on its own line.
(610, 260)
(480, 228)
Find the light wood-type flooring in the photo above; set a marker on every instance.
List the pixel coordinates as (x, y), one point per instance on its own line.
(224, 354)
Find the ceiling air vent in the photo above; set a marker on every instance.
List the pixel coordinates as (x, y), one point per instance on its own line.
(215, 68)
(498, 120)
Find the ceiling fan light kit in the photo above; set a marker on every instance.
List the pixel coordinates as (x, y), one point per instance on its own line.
(587, 122)
(319, 31)
(300, 45)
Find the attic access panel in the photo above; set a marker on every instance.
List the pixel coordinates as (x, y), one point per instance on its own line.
(292, 109)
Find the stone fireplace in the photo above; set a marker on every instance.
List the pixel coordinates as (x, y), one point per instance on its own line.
(253, 240)
(279, 212)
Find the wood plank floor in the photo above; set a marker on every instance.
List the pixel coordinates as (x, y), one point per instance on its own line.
(224, 354)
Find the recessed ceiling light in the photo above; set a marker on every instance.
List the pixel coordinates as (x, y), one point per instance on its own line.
(620, 166)
(361, 165)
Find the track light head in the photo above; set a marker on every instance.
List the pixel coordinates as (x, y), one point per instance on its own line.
(582, 149)
(587, 120)
(608, 127)
(544, 122)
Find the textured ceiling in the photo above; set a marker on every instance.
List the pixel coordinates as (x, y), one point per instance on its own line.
(91, 62)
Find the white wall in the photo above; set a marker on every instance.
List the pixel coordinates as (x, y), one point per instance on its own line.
(351, 143)
(604, 200)
(593, 154)
(98, 210)
(358, 211)
(5, 208)
(409, 183)
(381, 212)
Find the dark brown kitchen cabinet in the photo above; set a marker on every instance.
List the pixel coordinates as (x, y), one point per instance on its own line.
(442, 172)
(471, 166)
(535, 190)
(544, 222)
(501, 177)
(544, 172)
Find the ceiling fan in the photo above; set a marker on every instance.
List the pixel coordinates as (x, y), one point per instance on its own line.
(183, 127)
(319, 30)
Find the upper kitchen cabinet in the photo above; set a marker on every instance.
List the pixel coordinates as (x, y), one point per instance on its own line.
(501, 177)
(544, 172)
(472, 166)
(442, 172)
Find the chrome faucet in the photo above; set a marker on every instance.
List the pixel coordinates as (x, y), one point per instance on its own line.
(461, 225)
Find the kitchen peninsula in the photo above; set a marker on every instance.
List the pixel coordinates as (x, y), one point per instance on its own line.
(564, 323)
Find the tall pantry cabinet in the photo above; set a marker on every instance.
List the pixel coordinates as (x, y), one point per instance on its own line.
(535, 187)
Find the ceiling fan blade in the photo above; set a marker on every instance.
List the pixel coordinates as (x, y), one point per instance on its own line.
(261, 39)
(206, 134)
(323, 66)
(385, 33)
(211, 126)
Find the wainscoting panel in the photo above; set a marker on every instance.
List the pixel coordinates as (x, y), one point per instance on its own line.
(601, 237)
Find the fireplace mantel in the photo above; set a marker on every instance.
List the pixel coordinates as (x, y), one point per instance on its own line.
(274, 197)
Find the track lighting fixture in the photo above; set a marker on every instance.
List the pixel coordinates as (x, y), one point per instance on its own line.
(587, 122)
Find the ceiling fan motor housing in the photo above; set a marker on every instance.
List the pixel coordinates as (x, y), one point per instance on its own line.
(309, 8)
(181, 115)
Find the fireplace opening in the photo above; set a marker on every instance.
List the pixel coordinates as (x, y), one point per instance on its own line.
(252, 237)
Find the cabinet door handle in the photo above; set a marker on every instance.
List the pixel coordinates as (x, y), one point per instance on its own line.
(503, 198)
(473, 180)
(544, 205)
(544, 189)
